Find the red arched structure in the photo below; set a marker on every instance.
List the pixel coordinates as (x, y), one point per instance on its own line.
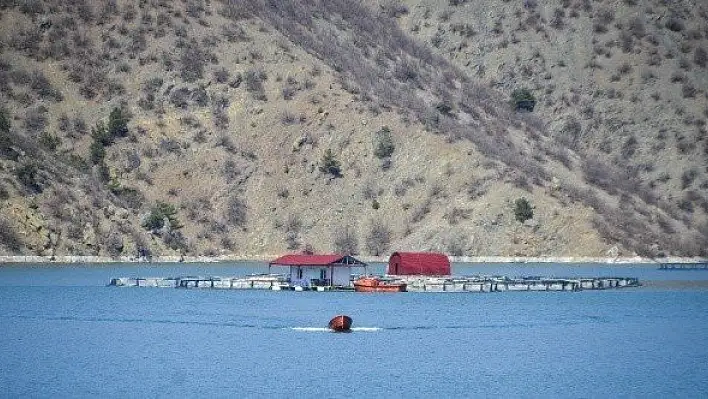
(418, 263)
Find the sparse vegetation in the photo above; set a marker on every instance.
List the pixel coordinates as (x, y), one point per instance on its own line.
(346, 241)
(629, 147)
(602, 20)
(675, 24)
(49, 141)
(456, 245)
(28, 175)
(700, 57)
(114, 243)
(5, 123)
(332, 88)
(192, 62)
(236, 211)
(104, 135)
(523, 210)
(162, 215)
(384, 143)
(9, 237)
(254, 83)
(330, 165)
(456, 215)
(378, 238)
(292, 231)
(571, 132)
(523, 100)
(688, 90)
(36, 119)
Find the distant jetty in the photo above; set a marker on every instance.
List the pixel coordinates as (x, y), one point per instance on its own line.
(684, 266)
(413, 283)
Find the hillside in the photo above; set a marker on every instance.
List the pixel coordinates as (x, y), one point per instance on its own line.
(254, 127)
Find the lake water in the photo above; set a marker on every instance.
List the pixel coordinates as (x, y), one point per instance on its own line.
(65, 334)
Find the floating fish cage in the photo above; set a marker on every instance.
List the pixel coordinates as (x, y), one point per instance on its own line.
(277, 282)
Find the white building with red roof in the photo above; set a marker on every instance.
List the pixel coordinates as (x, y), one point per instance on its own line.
(308, 270)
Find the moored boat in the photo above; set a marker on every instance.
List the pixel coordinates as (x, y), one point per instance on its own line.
(340, 323)
(373, 284)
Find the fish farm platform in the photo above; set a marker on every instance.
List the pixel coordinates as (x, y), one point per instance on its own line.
(414, 284)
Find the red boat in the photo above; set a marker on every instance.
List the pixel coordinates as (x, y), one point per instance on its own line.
(373, 284)
(340, 323)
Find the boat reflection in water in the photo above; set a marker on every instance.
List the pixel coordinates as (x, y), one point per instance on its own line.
(373, 284)
(340, 323)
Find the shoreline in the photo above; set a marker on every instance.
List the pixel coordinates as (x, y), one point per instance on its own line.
(4, 259)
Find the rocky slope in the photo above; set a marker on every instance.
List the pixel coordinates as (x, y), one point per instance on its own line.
(202, 127)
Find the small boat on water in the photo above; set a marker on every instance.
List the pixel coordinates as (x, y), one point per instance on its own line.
(340, 323)
(373, 284)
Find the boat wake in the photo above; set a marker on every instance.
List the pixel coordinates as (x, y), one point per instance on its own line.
(324, 329)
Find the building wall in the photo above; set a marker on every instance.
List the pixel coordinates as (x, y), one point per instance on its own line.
(341, 274)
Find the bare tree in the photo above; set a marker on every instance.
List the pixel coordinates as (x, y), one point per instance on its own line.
(378, 239)
(292, 231)
(114, 243)
(236, 211)
(9, 237)
(346, 241)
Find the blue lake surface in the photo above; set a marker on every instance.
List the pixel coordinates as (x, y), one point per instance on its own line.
(65, 334)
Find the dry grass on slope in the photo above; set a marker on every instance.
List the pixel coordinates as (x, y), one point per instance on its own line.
(234, 102)
(400, 72)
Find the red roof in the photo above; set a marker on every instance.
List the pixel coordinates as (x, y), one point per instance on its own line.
(316, 260)
(418, 263)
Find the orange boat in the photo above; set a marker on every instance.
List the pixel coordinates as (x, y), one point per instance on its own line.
(372, 284)
(340, 323)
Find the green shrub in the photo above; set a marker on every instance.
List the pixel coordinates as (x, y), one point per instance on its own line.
(9, 238)
(49, 141)
(384, 143)
(28, 175)
(523, 210)
(129, 197)
(114, 243)
(159, 213)
(375, 204)
(675, 24)
(330, 164)
(444, 107)
(97, 152)
(117, 124)
(192, 62)
(175, 240)
(4, 194)
(5, 123)
(700, 57)
(6, 141)
(523, 100)
(236, 211)
(104, 174)
(76, 161)
(103, 135)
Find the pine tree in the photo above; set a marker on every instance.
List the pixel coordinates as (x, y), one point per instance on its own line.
(330, 164)
(117, 123)
(4, 121)
(523, 210)
(384, 146)
(158, 214)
